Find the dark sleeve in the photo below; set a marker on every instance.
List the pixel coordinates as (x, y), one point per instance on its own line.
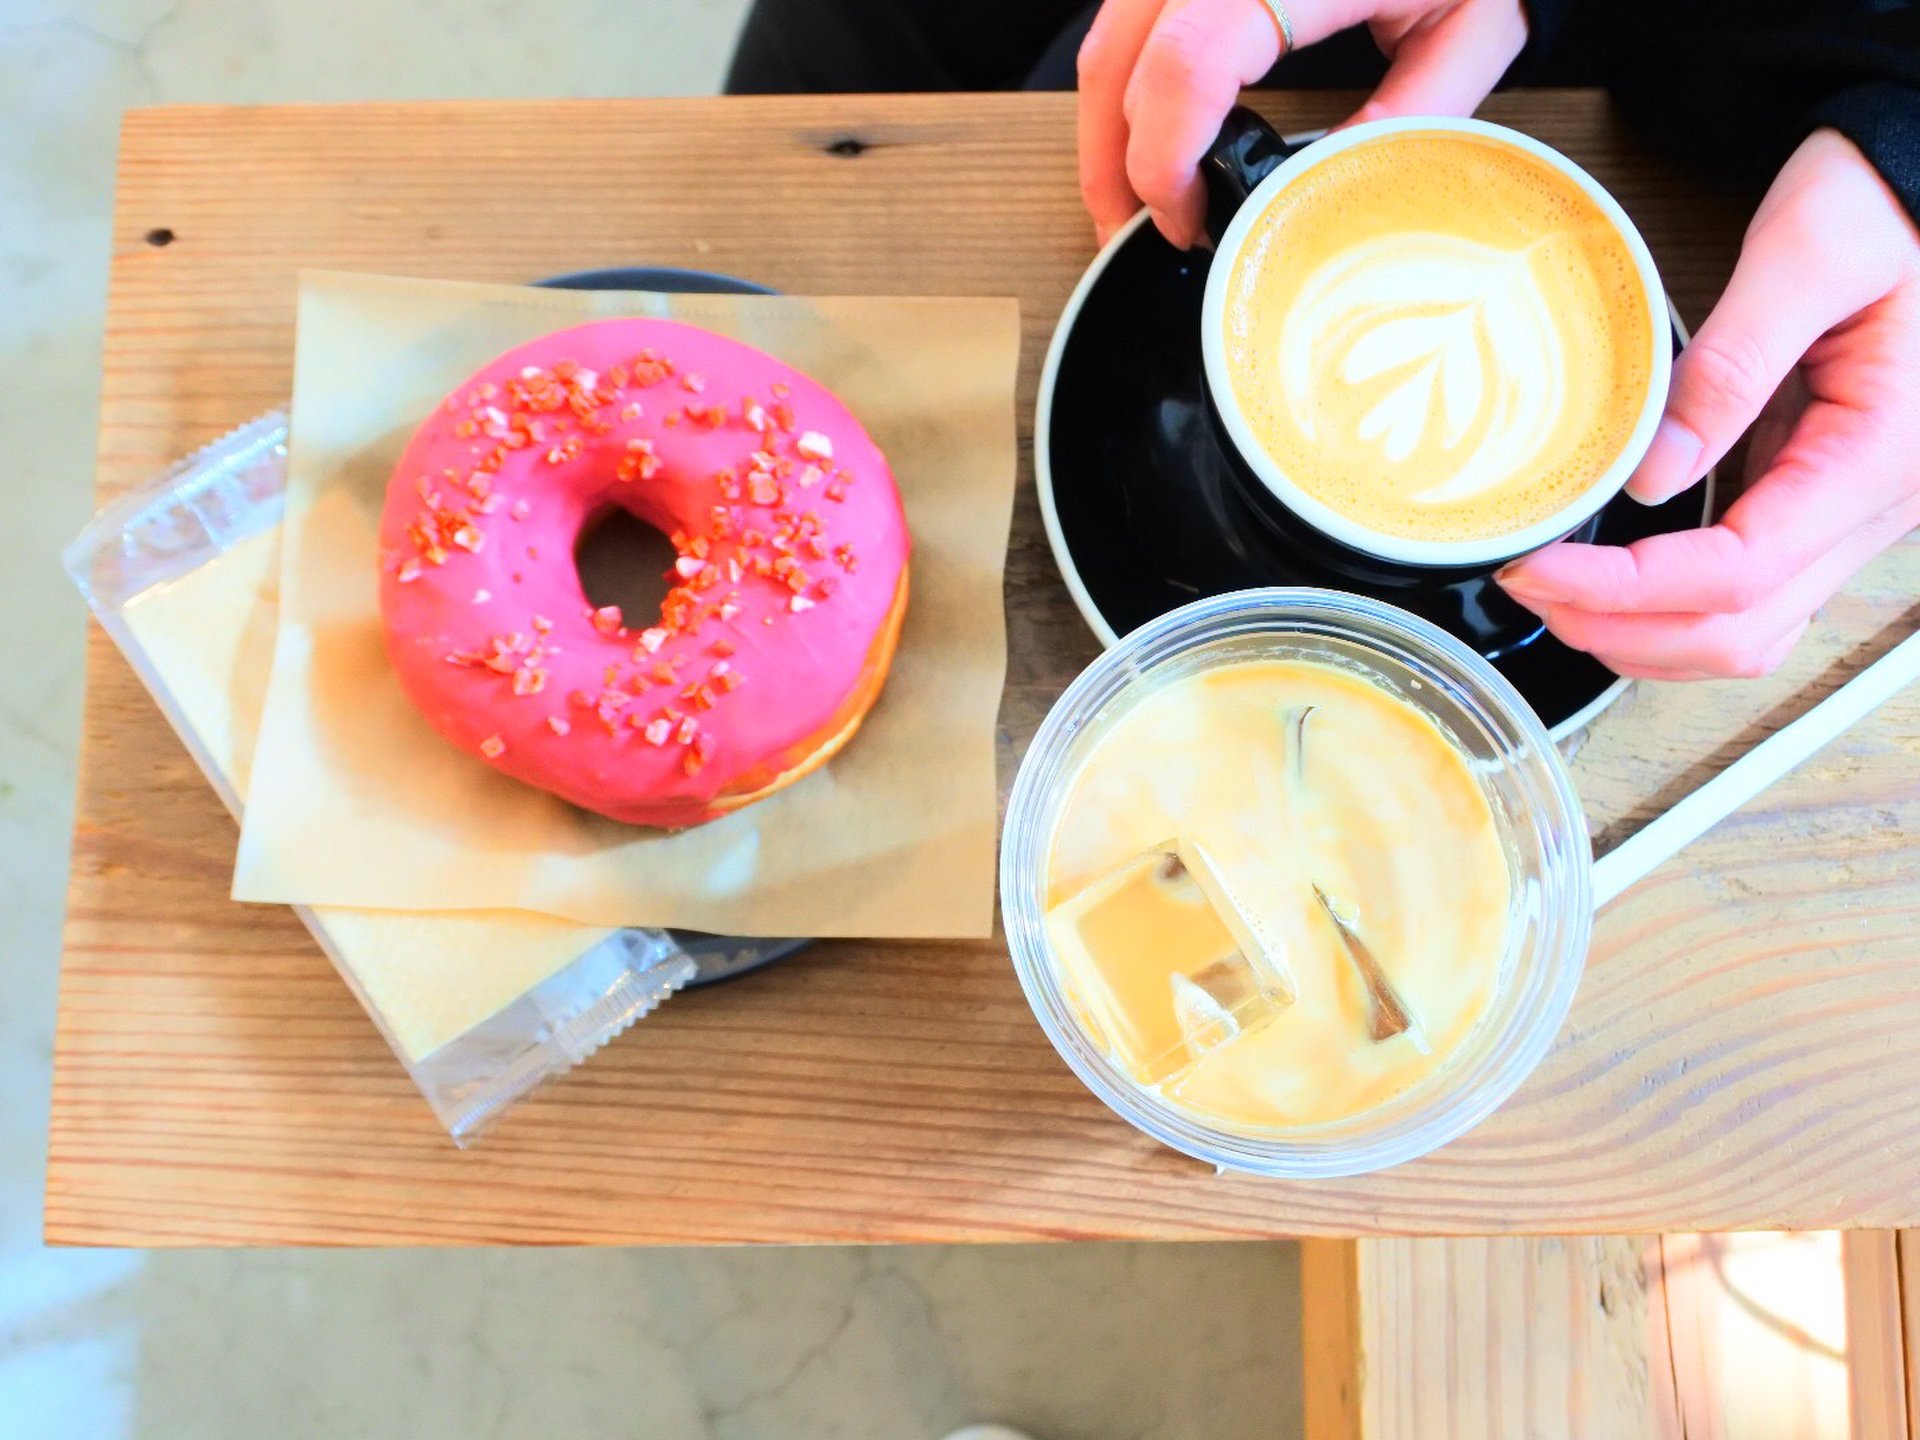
(1732, 86)
(1884, 121)
(840, 46)
(1546, 22)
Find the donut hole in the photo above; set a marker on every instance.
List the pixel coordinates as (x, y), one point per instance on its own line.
(626, 562)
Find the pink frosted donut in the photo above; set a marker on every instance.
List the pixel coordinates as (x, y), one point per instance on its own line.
(789, 588)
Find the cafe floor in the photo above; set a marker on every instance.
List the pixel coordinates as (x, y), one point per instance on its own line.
(1105, 1342)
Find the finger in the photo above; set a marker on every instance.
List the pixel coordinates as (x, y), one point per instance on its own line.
(1840, 467)
(1105, 62)
(1188, 76)
(1769, 434)
(1626, 670)
(1789, 287)
(1768, 662)
(1449, 62)
(1747, 644)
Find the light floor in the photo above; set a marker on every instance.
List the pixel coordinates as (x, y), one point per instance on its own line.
(1076, 1343)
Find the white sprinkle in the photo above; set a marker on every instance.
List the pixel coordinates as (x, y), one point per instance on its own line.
(658, 731)
(689, 566)
(815, 446)
(530, 372)
(811, 476)
(799, 603)
(480, 597)
(651, 640)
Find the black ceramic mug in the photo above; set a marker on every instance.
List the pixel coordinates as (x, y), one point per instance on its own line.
(1245, 170)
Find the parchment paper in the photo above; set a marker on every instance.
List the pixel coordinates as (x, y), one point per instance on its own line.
(427, 978)
(356, 802)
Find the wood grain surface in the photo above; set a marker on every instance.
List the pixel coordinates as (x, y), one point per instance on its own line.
(1743, 1336)
(1739, 1054)
(1878, 1399)
(1467, 1339)
(1907, 1266)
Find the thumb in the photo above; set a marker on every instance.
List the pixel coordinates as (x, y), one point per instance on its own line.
(1447, 62)
(1785, 294)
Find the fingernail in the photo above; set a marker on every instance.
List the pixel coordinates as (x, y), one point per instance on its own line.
(1669, 465)
(1524, 589)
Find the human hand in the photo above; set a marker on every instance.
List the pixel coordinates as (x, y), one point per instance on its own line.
(1816, 345)
(1158, 76)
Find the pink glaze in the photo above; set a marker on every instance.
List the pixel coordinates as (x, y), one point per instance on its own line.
(790, 558)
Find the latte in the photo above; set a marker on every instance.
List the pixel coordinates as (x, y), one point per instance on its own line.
(1439, 336)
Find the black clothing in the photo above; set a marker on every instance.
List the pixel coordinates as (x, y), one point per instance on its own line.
(1732, 86)
(1728, 86)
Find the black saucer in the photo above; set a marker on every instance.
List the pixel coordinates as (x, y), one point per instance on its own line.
(717, 957)
(1145, 514)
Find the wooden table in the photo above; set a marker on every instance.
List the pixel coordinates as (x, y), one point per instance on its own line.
(1740, 1053)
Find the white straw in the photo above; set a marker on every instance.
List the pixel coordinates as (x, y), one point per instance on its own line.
(1754, 771)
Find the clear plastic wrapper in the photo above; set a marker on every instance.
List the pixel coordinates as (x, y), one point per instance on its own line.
(210, 509)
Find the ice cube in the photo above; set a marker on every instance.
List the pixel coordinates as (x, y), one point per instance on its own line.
(1163, 962)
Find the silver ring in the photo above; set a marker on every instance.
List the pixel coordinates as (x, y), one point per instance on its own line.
(1285, 22)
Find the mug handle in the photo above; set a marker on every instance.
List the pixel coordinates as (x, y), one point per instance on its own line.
(1245, 152)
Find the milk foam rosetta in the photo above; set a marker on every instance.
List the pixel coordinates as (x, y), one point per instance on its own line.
(1439, 336)
(1378, 809)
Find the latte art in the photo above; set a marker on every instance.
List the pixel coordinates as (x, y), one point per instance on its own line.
(1454, 343)
(1439, 336)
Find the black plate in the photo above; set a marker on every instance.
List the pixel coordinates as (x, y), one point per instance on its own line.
(1141, 505)
(719, 957)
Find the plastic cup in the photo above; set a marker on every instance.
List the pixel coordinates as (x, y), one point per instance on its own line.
(1541, 827)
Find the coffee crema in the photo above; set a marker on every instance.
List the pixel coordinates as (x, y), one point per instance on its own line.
(1438, 336)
